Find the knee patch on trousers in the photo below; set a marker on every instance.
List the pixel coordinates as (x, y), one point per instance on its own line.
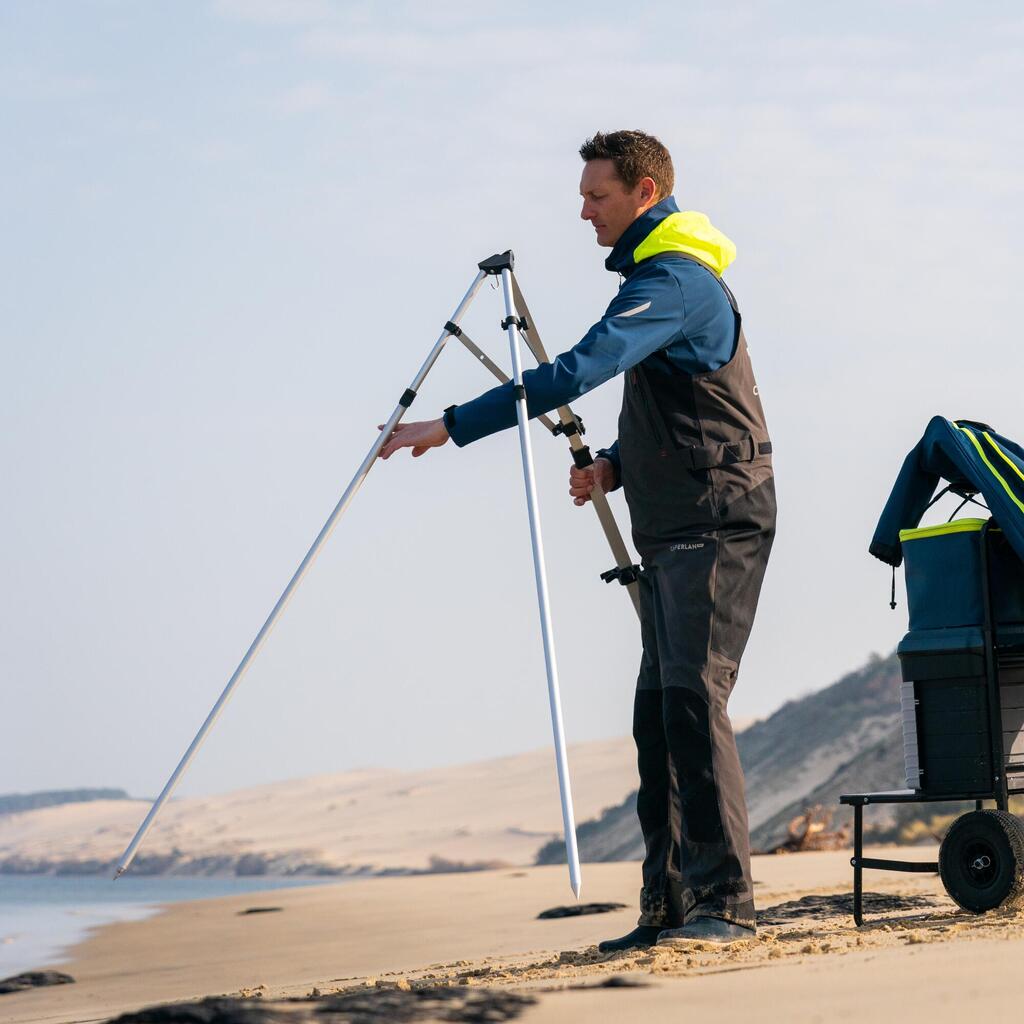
(688, 737)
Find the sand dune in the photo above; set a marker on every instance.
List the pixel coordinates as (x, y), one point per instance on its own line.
(492, 812)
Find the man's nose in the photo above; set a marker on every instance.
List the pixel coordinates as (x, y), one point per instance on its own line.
(586, 213)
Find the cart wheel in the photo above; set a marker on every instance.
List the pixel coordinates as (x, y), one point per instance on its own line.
(981, 860)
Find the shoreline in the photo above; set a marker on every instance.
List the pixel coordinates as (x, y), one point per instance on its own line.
(481, 930)
(33, 936)
(43, 918)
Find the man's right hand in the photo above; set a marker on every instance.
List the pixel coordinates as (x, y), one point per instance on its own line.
(583, 481)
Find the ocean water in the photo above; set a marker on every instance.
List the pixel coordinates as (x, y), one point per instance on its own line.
(41, 916)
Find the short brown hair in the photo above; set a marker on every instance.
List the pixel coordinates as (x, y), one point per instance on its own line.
(636, 155)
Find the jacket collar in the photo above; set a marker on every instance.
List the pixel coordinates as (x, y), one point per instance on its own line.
(664, 230)
(620, 260)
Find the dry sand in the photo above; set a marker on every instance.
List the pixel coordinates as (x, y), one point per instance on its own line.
(918, 958)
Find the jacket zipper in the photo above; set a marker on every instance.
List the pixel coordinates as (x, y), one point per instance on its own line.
(641, 386)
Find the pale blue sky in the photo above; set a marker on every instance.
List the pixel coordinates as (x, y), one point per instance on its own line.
(230, 232)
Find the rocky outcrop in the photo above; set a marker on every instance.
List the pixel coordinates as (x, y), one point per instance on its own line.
(34, 979)
(844, 738)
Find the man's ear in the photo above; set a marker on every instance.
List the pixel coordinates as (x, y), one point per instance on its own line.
(648, 191)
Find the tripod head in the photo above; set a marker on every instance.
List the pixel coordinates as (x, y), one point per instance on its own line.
(495, 264)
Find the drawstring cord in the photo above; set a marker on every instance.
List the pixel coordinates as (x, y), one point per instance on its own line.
(892, 598)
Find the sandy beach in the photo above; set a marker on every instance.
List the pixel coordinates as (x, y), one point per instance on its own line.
(918, 957)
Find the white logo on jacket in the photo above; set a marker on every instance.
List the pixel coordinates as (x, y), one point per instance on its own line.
(634, 311)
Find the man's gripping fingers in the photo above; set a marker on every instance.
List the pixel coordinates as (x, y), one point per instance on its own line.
(581, 483)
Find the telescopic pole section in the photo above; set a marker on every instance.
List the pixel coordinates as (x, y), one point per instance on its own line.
(511, 325)
(350, 492)
(583, 458)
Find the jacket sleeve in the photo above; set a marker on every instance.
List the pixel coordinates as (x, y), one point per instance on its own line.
(645, 316)
(611, 453)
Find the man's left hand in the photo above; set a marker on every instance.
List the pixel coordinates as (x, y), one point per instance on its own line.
(418, 436)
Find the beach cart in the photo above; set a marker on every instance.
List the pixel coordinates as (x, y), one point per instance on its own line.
(962, 661)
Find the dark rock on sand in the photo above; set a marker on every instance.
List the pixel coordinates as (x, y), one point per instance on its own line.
(34, 979)
(215, 1010)
(579, 909)
(621, 981)
(259, 910)
(361, 1006)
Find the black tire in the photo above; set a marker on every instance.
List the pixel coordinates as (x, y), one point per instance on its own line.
(981, 860)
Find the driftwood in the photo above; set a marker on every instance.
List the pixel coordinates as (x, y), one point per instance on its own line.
(812, 831)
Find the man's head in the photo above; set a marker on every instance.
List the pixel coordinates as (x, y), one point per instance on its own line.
(624, 174)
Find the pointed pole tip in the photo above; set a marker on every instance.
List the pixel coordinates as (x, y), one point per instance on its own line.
(119, 873)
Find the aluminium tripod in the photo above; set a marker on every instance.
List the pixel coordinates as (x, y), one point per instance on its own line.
(517, 322)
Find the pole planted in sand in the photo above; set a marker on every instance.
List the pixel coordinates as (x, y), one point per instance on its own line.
(350, 492)
(512, 323)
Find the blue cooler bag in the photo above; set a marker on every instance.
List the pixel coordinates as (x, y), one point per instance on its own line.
(943, 576)
(946, 719)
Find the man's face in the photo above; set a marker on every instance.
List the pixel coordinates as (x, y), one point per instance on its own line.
(606, 202)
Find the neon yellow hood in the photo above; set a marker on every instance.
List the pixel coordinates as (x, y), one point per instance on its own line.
(692, 233)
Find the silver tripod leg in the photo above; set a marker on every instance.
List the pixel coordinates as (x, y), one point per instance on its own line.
(346, 499)
(625, 571)
(511, 325)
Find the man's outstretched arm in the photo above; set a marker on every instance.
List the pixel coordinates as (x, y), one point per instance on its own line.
(643, 318)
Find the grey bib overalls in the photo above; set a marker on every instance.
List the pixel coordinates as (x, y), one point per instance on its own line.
(697, 476)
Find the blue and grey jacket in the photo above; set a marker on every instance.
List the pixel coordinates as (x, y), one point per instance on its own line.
(973, 458)
(670, 306)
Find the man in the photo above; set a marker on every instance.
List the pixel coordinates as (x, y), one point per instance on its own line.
(694, 460)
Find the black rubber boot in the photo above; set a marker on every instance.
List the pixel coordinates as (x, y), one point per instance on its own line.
(641, 937)
(706, 929)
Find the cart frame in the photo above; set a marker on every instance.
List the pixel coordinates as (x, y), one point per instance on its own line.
(999, 790)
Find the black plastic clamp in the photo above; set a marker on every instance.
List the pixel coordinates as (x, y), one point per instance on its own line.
(575, 426)
(498, 262)
(453, 329)
(520, 392)
(582, 457)
(513, 321)
(407, 398)
(625, 576)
